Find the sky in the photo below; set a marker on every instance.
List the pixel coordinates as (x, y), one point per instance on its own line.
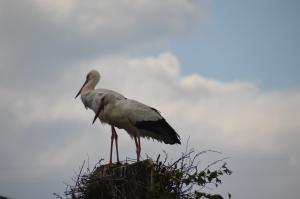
(223, 73)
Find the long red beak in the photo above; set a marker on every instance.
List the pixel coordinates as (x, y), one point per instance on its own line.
(98, 112)
(81, 89)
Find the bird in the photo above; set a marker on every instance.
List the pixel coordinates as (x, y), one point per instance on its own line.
(138, 119)
(90, 97)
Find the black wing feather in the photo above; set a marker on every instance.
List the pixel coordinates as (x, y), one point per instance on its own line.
(162, 129)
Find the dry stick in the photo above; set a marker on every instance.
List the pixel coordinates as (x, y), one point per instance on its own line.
(215, 162)
(77, 181)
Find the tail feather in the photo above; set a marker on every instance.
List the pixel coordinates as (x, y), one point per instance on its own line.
(160, 130)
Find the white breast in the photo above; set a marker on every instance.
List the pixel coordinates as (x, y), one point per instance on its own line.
(92, 100)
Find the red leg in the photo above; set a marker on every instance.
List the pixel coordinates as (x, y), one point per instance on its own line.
(137, 149)
(139, 141)
(111, 147)
(116, 138)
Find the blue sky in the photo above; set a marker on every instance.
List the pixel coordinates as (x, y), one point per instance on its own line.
(255, 41)
(224, 73)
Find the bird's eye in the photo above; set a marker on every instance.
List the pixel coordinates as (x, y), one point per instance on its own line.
(88, 76)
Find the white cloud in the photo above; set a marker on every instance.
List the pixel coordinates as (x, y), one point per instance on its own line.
(124, 15)
(45, 36)
(58, 9)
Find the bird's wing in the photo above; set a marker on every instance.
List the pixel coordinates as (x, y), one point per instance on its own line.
(149, 121)
(136, 111)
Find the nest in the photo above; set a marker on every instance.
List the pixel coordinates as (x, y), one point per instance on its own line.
(117, 181)
(179, 179)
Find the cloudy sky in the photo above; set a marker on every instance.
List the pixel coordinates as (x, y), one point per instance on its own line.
(224, 73)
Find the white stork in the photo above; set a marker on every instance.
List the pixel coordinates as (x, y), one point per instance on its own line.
(139, 120)
(91, 98)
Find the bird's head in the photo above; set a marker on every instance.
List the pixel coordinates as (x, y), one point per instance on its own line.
(92, 78)
(93, 75)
